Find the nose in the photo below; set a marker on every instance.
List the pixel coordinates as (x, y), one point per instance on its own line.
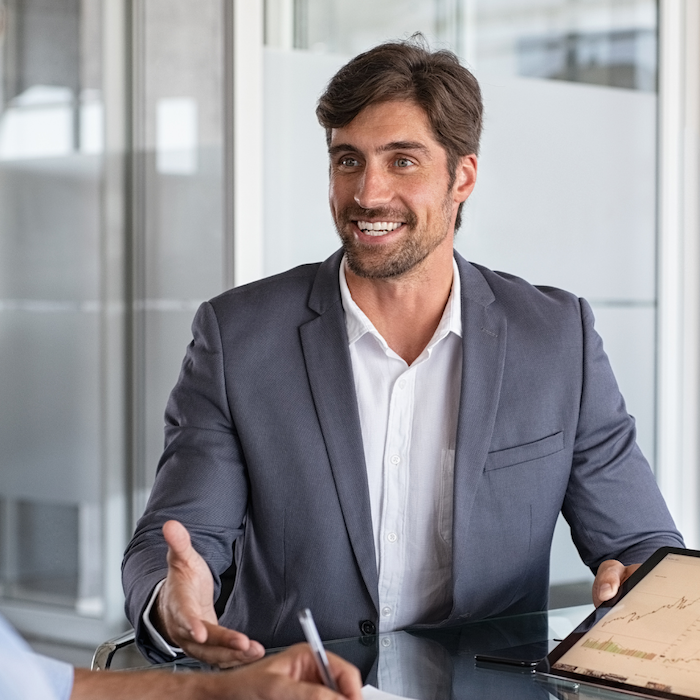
(373, 187)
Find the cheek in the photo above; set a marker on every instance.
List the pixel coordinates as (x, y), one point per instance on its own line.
(337, 192)
(423, 192)
(424, 202)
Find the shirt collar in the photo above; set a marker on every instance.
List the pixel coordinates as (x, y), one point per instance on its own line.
(357, 323)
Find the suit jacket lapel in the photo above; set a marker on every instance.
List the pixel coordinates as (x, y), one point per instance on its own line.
(327, 357)
(325, 347)
(484, 345)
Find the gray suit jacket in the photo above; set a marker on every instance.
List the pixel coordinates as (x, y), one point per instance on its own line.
(264, 462)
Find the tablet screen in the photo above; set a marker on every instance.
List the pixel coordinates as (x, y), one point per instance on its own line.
(649, 641)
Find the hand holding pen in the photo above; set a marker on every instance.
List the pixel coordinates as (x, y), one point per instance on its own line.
(313, 638)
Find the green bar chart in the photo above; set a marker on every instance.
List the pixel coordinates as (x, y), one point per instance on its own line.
(614, 648)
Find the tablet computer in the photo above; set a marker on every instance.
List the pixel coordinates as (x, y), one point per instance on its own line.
(646, 640)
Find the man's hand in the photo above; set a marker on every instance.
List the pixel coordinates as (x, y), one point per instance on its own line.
(291, 675)
(611, 575)
(184, 609)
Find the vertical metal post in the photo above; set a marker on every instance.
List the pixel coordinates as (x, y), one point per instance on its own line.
(114, 432)
(229, 87)
(301, 24)
(467, 31)
(9, 529)
(243, 248)
(279, 23)
(135, 293)
(678, 330)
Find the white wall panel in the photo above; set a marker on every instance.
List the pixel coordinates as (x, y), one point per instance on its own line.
(297, 221)
(565, 194)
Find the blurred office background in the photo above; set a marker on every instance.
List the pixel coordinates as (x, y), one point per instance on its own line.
(155, 152)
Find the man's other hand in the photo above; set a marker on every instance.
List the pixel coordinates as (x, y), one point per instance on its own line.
(611, 575)
(293, 675)
(184, 610)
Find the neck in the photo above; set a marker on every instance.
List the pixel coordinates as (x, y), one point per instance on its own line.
(406, 310)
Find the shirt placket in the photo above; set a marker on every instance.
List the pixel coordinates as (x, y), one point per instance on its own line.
(395, 496)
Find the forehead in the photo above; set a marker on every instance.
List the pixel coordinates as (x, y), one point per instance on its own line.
(383, 123)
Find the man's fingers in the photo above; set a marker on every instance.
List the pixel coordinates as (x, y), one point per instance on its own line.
(223, 657)
(177, 538)
(611, 575)
(189, 587)
(188, 628)
(347, 677)
(249, 649)
(607, 581)
(298, 662)
(218, 646)
(302, 690)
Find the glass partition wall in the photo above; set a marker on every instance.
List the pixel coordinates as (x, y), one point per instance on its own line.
(52, 315)
(111, 234)
(116, 181)
(178, 201)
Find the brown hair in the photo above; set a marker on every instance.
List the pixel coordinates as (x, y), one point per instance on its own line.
(408, 70)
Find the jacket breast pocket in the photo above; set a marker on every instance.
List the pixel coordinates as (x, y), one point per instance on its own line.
(525, 453)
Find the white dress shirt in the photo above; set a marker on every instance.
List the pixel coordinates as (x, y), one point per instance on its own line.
(408, 417)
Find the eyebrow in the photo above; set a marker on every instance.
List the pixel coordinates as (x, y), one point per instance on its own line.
(392, 146)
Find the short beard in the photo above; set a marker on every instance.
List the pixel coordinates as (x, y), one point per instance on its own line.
(372, 262)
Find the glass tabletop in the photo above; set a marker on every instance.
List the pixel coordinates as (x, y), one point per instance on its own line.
(439, 663)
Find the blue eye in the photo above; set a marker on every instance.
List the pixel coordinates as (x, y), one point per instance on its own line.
(403, 162)
(349, 162)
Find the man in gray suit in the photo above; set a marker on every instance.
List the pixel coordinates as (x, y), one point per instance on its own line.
(389, 436)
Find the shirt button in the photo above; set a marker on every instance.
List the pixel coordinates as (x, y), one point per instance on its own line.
(402, 383)
(395, 459)
(392, 537)
(386, 611)
(386, 642)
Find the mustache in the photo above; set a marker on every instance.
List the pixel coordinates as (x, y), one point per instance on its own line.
(355, 213)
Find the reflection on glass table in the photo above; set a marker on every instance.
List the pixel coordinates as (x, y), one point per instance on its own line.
(426, 663)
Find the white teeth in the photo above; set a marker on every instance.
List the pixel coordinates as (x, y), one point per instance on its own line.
(378, 228)
(375, 233)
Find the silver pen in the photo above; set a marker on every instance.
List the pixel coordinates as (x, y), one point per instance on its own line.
(314, 640)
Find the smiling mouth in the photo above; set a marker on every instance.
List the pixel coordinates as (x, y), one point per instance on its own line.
(378, 228)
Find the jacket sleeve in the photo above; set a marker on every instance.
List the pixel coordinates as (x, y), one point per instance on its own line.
(201, 478)
(612, 503)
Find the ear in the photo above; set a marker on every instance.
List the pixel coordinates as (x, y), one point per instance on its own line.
(465, 178)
